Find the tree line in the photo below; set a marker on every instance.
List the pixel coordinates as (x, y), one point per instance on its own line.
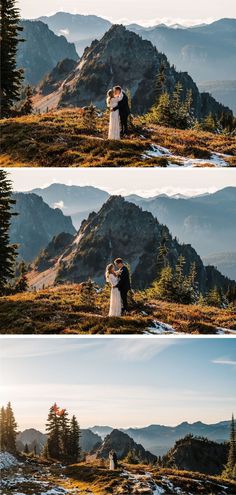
(8, 429)
(63, 435)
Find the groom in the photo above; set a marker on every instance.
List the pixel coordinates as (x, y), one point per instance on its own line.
(123, 108)
(124, 284)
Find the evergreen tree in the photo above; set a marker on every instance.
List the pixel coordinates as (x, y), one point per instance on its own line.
(213, 298)
(160, 82)
(90, 118)
(74, 450)
(22, 282)
(10, 429)
(209, 123)
(3, 440)
(27, 106)
(26, 449)
(7, 250)
(64, 433)
(88, 294)
(53, 446)
(164, 287)
(230, 468)
(162, 258)
(11, 76)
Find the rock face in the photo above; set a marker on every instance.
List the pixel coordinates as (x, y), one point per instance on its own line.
(122, 229)
(197, 454)
(123, 444)
(55, 248)
(52, 81)
(122, 57)
(33, 438)
(36, 224)
(41, 50)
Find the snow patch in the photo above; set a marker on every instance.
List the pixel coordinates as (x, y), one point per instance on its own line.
(216, 160)
(160, 328)
(225, 331)
(7, 460)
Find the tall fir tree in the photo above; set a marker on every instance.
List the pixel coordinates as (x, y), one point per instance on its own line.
(11, 76)
(53, 446)
(3, 439)
(64, 433)
(10, 429)
(74, 450)
(7, 250)
(230, 468)
(160, 82)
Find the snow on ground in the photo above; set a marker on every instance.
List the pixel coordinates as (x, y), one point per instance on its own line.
(160, 328)
(7, 460)
(225, 331)
(216, 160)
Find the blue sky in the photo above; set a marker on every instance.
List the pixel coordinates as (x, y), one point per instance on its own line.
(120, 382)
(145, 12)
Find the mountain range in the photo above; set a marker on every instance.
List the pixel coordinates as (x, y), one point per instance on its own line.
(206, 51)
(223, 91)
(35, 224)
(121, 228)
(41, 50)
(157, 439)
(123, 57)
(205, 221)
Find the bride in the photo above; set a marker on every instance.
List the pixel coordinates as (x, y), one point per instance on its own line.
(115, 300)
(114, 124)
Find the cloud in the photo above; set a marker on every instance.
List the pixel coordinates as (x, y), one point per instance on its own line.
(64, 32)
(60, 205)
(142, 349)
(169, 21)
(224, 361)
(38, 347)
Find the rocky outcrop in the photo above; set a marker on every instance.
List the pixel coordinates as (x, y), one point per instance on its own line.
(35, 225)
(122, 57)
(122, 229)
(124, 445)
(52, 81)
(89, 440)
(55, 249)
(41, 50)
(197, 454)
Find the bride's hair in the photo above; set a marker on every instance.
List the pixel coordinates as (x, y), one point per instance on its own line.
(108, 271)
(110, 95)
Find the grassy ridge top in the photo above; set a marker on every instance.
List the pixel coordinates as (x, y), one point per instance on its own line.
(58, 310)
(59, 139)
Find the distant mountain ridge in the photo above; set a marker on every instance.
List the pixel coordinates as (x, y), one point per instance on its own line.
(41, 50)
(36, 224)
(122, 444)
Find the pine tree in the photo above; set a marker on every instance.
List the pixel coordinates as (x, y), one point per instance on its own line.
(164, 287)
(230, 468)
(53, 446)
(209, 123)
(3, 440)
(90, 118)
(10, 429)
(162, 258)
(7, 250)
(213, 298)
(26, 449)
(64, 433)
(88, 294)
(163, 110)
(11, 76)
(160, 82)
(74, 450)
(176, 104)
(27, 106)
(22, 282)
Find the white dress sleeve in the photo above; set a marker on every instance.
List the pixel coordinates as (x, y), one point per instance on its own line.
(113, 280)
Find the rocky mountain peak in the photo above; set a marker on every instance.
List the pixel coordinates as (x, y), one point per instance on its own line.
(123, 445)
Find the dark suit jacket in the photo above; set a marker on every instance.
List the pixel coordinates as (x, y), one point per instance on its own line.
(124, 281)
(123, 106)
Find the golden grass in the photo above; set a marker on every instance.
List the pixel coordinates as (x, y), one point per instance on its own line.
(59, 139)
(58, 311)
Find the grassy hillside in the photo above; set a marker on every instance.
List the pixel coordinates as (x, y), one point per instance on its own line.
(59, 139)
(58, 310)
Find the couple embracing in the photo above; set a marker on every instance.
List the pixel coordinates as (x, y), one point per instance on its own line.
(118, 104)
(119, 280)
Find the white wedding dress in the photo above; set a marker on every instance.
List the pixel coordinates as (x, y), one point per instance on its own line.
(114, 124)
(115, 300)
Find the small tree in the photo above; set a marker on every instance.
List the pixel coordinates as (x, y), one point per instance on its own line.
(213, 298)
(209, 123)
(88, 294)
(26, 449)
(90, 118)
(160, 82)
(27, 106)
(21, 284)
(74, 448)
